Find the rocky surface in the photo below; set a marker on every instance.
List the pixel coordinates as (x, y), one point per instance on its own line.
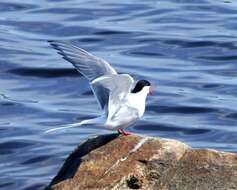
(134, 162)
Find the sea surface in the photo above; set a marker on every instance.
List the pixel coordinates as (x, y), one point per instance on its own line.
(186, 49)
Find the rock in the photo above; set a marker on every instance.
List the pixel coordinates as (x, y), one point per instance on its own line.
(135, 162)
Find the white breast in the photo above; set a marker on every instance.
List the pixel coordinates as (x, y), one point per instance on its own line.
(138, 100)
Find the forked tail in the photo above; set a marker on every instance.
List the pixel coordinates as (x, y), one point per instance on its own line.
(93, 121)
(65, 127)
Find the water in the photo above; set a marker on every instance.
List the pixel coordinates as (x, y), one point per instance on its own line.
(186, 48)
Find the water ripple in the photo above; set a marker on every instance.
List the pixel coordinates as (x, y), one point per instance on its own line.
(172, 128)
(180, 109)
(44, 72)
(8, 7)
(187, 49)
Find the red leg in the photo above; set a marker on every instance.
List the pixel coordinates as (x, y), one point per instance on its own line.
(121, 131)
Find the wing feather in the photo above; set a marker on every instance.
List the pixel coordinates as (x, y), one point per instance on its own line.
(119, 87)
(88, 65)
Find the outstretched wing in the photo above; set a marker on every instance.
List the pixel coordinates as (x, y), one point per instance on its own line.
(119, 86)
(88, 65)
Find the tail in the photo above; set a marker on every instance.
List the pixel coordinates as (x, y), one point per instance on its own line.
(65, 127)
(94, 121)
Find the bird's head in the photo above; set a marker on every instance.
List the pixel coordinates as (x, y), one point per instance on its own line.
(143, 86)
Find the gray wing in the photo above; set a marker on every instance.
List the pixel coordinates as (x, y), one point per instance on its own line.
(119, 87)
(88, 65)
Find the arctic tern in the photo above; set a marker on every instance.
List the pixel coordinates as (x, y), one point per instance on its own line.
(121, 99)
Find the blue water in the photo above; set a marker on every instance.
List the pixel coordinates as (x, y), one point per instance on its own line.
(187, 49)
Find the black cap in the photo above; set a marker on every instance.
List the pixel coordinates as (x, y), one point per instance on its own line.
(140, 84)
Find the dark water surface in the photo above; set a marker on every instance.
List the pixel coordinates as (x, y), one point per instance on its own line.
(188, 49)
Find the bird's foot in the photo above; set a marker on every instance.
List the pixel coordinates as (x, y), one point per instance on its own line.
(121, 131)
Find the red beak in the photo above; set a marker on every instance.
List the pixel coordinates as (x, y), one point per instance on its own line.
(151, 91)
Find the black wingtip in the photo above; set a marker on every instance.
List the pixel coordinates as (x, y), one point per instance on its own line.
(54, 44)
(49, 41)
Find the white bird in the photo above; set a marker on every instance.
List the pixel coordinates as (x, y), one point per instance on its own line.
(121, 100)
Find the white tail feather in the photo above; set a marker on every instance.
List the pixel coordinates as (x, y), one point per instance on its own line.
(65, 127)
(93, 121)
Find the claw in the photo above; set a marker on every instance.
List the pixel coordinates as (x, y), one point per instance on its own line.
(121, 131)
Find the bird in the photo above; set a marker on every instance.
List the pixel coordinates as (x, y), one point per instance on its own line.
(121, 98)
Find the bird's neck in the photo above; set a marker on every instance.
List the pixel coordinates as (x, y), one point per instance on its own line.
(138, 101)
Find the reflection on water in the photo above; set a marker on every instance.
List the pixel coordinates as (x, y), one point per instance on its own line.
(186, 48)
